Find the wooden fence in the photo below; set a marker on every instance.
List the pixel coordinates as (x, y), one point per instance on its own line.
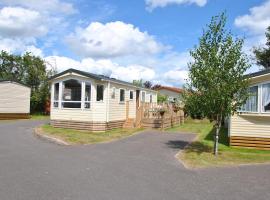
(161, 116)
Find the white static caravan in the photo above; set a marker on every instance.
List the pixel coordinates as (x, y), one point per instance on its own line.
(250, 127)
(14, 100)
(87, 101)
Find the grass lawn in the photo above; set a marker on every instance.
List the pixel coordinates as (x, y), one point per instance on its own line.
(40, 117)
(85, 137)
(200, 152)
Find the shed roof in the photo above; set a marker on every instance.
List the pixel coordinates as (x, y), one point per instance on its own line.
(14, 81)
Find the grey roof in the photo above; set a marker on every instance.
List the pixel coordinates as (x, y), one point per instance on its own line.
(259, 73)
(14, 81)
(95, 76)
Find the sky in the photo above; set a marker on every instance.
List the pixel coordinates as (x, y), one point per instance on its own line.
(127, 40)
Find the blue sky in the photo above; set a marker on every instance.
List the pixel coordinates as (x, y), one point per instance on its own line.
(148, 39)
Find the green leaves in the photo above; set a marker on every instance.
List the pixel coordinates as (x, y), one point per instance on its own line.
(263, 54)
(216, 75)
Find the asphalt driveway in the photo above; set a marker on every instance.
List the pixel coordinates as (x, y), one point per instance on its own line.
(140, 167)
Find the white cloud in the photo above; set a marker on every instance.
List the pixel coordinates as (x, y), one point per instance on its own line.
(103, 66)
(152, 4)
(176, 77)
(43, 5)
(128, 73)
(19, 46)
(257, 20)
(20, 22)
(112, 40)
(34, 51)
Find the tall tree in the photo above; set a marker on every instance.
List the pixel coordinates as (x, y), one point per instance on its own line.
(216, 76)
(138, 83)
(262, 54)
(147, 84)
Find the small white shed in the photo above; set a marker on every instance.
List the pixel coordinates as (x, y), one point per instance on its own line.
(14, 100)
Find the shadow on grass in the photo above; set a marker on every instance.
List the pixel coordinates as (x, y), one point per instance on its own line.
(176, 144)
(223, 136)
(198, 148)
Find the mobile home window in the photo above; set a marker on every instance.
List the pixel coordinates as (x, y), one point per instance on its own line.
(122, 95)
(151, 98)
(72, 93)
(266, 97)
(87, 97)
(251, 104)
(131, 95)
(100, 92)
(143, 96)
(113, 93)
(56, 95)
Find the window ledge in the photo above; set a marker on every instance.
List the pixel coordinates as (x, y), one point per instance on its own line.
(255, 114)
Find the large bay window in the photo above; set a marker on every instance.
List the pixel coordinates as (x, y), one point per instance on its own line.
(258, 100)
(72, 93)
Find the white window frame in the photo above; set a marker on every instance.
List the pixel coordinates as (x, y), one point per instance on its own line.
(144, 97)
(81, 101)
(60, 94)
(113, 93)
(258, 101)
(52, 96)
(260, 106)
(83, 95)
(122, 102)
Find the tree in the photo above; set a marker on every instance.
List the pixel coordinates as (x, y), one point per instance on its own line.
(30, 70)
(138, 83)
(155, 87)
(148, 84)
(216, 76)
(262, 54)
(162, 98)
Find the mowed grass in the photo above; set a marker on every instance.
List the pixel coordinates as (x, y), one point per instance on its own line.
(200, 152)
(85, 137)
(40, 117)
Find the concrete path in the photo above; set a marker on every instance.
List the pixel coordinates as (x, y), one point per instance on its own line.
(139, 167)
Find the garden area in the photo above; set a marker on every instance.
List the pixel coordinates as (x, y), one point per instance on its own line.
(200, 152)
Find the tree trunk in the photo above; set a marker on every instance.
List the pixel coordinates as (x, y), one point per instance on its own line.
(216, 136)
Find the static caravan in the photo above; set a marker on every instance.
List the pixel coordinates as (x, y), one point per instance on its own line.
(173, 94)
(14, 100)
(250, 127)
(87, 101)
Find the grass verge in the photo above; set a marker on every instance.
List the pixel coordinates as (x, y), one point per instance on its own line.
(200, 152)
(40, 117)
(71, 136)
